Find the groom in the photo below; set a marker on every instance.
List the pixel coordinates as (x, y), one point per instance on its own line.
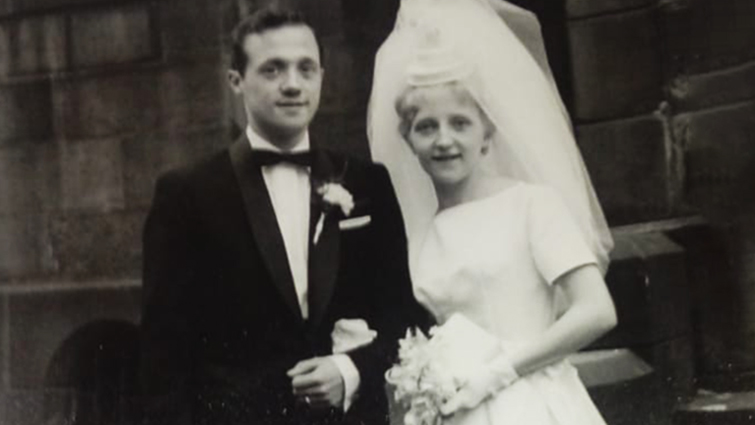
(254, 256)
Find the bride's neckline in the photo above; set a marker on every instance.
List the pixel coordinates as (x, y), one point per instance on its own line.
(494, 194)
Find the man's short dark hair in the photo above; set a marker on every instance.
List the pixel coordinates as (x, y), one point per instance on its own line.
(264, 19)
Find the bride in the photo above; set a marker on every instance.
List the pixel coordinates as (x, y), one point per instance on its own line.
(503, 223)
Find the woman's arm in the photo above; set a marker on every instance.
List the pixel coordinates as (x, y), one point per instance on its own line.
(589, 314)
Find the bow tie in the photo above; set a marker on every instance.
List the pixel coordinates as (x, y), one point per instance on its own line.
(263, 157)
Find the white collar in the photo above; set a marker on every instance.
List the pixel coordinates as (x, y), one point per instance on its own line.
(259, 142)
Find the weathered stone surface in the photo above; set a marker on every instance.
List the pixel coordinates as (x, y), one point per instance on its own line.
(629, 166)
(188, 31)
(50, 5)
(4, 348)
(92, 175)
(104, 106)
(25, 112)
(704, 35)
(25, 247)
(648, 282)
(616, 65)
(649, 400)
(41, 320)
(583, 8)
(192, 96)
(148, 156)
(97, 245)
(29, 179)
(720, 270)
(33, 45)
(114, 35)
(716, 88)
(720, 155)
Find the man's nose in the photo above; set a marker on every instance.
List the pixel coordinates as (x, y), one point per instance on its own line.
(291, 84)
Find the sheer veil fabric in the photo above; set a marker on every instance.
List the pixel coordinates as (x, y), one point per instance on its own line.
(510, 79)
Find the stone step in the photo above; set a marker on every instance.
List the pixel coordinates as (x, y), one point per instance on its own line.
(714, 408)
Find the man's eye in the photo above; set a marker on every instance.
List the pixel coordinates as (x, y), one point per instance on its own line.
(269, 71)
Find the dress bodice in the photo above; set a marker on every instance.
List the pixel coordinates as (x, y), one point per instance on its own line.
(495, 260)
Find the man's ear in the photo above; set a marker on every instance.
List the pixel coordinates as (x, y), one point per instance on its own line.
(234, 80)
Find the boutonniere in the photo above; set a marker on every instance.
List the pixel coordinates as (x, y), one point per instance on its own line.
(332, 195)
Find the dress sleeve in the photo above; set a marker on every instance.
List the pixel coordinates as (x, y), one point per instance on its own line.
(555, 241)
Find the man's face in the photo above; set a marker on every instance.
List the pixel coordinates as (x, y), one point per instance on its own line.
(281, 85)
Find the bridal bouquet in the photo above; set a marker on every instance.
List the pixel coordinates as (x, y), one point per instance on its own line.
(419, 381)
(430, 370)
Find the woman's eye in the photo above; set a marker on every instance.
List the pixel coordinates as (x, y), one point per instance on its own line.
(460, 123)
(424, 127)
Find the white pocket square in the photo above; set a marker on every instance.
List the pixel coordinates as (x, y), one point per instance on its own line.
(354, 223)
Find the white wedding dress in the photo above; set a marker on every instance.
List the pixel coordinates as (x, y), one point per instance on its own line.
(494, 260)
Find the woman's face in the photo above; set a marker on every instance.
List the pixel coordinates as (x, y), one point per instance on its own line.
(448, 133)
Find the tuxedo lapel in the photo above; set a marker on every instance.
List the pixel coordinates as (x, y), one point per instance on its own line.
(261, 216)
(323, 255)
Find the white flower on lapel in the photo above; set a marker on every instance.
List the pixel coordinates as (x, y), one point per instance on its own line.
(350, 334)
(333, 195)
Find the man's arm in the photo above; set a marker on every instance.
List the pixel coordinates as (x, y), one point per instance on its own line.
(394, 308)
(167, 271)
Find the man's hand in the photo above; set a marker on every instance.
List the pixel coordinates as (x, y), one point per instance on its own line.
(318, 383)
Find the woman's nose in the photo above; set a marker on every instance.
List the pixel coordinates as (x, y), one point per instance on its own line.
(444, 138)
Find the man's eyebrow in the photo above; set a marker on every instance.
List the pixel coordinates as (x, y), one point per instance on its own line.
(274, 62)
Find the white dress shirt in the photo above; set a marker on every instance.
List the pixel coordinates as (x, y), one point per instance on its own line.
(289, 189)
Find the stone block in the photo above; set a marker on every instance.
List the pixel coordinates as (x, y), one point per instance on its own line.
(29, 179)
(97, 245)
(33, 45)
(108, 105)
(649, 400)
(647, 280)
(25, 112)
(616, 65)
(720, 270)
(51, 5)
(92, 175)
(188, 31)
(148, 156)
(629, 166)
(41, 319)
(716, 88)
(25, 247)
(584, 8)
(4, 348)
(114, 35)
(193, 96)
(719, 156)
(705, 35)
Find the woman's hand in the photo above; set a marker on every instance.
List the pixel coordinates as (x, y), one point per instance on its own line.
(484, 382)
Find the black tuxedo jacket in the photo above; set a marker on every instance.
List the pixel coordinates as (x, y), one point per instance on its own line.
(221, 323)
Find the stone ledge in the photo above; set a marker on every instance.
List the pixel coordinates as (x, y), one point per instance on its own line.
(717, 409)
(715, 88)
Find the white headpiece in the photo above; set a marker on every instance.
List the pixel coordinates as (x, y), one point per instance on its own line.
(508, 75)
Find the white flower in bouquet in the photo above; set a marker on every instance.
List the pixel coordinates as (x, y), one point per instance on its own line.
(420, 381)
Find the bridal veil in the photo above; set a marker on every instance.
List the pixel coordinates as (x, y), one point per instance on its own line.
(511, 82)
